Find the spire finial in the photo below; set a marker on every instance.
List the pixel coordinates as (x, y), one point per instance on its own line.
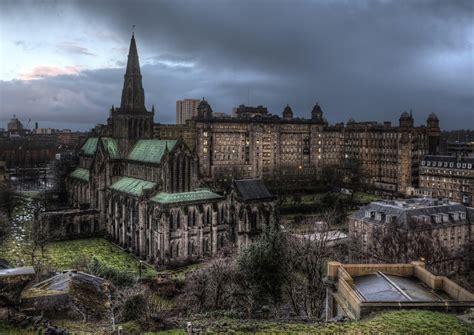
(133, 30)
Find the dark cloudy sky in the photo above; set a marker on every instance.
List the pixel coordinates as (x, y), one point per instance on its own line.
(62, 62)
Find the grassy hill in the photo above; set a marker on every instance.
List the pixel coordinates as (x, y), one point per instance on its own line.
(399, 322)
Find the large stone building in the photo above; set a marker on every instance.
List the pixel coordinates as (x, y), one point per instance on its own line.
(449, 177)
(450, 222)
(257, 144)
(147, 191)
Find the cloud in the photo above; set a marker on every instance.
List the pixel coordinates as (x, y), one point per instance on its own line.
(74, 49)
(366, 59)
(48, 71)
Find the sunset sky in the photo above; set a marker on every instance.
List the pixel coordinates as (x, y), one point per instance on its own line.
(62, 62)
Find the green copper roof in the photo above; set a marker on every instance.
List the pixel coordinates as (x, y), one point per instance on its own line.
(111, 146)
(150, 151)
(169, 198)
(90, 146)
(132, 186)
(80, 173)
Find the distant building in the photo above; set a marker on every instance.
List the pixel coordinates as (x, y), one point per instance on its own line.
(15, 127)
(452, 222)
(250, 112)
(357, 290)
(462, 148)
(449, 177)
(186, 109)
(43, 131)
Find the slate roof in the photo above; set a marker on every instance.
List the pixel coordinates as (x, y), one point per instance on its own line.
(194, 196)
(150, 151)
(111, 146)
(90, 146)
(81, 174)
(252, 189)
(132, 186)
(404, 211)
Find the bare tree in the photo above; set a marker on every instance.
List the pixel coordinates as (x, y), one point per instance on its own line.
(396, 243)
(309, 254)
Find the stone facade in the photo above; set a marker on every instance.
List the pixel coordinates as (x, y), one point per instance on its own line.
(448, 177)
(148, 193)
(451, 222)
(262, 145)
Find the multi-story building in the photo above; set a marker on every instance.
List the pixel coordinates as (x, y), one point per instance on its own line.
(451, 222)
(462, 148)
(186, 109)
(145, 193)
(449, 177)
(174, 131)
(258, 144)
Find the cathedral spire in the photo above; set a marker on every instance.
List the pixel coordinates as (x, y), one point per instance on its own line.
(133, 96)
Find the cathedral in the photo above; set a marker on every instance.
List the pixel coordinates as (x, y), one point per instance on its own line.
(145, 193)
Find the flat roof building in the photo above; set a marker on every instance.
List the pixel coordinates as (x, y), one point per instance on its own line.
(356, 290)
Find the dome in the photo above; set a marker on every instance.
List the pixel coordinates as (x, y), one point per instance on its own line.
(317, 109)
(433, 116)
(203, 104)
(405, 115)
(204, 109)
(287, 112)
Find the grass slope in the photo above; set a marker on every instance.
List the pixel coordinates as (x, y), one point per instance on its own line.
(399, 322)
(63, 255)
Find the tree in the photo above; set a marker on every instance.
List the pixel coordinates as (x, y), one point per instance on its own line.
(8, 200)
(309, 253)
(264, 266)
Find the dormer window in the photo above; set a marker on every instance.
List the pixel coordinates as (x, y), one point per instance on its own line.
(454, 216)
(445, 217)
(462, 215)
(378, 216)
(367, 214)
(437, 218)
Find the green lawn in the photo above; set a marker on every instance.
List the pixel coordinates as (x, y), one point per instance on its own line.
(365, 198)
(400, 322)
(63, 255)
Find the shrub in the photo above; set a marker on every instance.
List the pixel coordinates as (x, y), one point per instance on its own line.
(117, 277)
(133, 308)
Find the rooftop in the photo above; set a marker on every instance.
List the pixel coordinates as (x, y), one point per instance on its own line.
(198, 195)
(132, 186)
(81, 174)
(252, 189)
(151, 151)
(111, 146)
(386, 287)
(414, 203)
(90, 146)
(361, 289)
(414, 212)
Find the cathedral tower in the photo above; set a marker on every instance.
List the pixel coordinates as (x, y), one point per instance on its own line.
(131, 121)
